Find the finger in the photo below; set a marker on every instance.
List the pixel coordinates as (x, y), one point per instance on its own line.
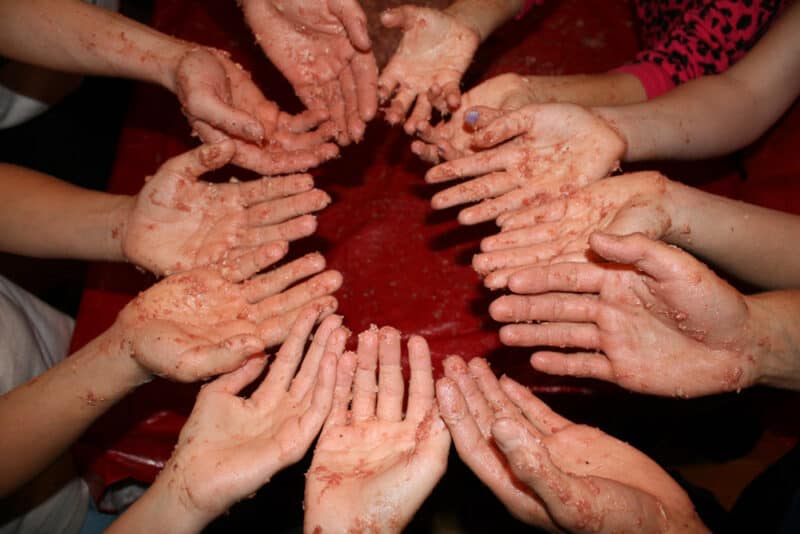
(355, 126)
(303, 121)
(475, 165)
(513, 200)
(420, 115)
(483, 187)
(570, 277)
(478, 117)
(321, 402)
(232, 383)
(499, 278)
(286, 361)
(274, 330)
(207, 106)
(365, 387)
(277, 280)
(456, 370)
(304, 380)
(388, 82)
(499, 128)
(399, 17)
(198, 161)
(342, 394)
(256, 191)
(391, 386)
(536, 412)
(328, 95)
(451, 93)
(400, 105)
(551, 307)
(657, 259)
(365, 72)
(243, 264)
(540, 232)
(420, 386)
(272, 160)
(425, 151)
(490, 387)
(352, 17)
(581, 335)
(203, 362)
(551, 211)
(291, 230)
(298, 296)
(580, 364)
(282, 209)
(514, 257)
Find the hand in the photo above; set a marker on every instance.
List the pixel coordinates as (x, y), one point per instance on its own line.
(373, 467)
(656, 320)
(221, 102)
(323, 49)
(179, 223)
(550, 472)
(452, 139)
(558, 231)
(433, 55)
(546, 151)
(231, 446)
(195, 325)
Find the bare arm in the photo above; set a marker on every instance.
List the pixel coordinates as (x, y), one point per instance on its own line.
(483, 16)
(715, 115)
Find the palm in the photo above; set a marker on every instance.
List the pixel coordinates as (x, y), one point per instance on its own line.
(546, 151)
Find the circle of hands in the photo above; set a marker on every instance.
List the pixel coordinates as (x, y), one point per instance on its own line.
(578, 251)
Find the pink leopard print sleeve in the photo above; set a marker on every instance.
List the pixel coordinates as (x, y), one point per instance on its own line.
(688, 39)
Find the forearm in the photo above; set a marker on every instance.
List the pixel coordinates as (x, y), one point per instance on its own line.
(48, 413)
(715, 115)
(42, 216)
(75, 36)
(776, 337)
(483, 16)
(747, 241)
(601, 89)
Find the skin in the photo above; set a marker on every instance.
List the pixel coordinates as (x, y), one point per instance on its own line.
(178, 222)
(374, 465)
(231, 446)
(728, 232)
(187, 327)
(550, 472)
(217, 95)
(530, 155)
(323, 49)
(653, 320)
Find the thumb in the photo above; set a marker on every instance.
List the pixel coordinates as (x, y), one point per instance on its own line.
(200, 160)
(494, 126)
(354, 21)
(654, 258)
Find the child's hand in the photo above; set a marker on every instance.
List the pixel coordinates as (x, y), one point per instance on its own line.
(433, 55)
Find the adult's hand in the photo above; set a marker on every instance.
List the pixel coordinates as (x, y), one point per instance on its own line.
(375, 463)
(550, 472)
(197, 324)
(231, 446)
(221, 102)
(323, 49)
(654, 320)
(536, 153)
(178, 222)
(558, 231)
(433, 55)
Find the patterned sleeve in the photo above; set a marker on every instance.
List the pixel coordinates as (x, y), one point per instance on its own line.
(686, 40)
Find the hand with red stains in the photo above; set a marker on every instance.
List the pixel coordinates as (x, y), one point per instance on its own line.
(452, 139)
(375, 463)
(231, 446)
(433, 55)
(323, 49)
(178, 222)
(558, 231)
(536, 153)
(198, 324)
(550, 472)
(652, 320)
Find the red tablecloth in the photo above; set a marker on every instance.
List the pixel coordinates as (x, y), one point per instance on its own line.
(403, 264)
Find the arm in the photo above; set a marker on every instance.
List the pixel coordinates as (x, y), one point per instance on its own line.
(715, 115)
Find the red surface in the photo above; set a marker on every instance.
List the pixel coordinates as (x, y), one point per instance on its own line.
(403, 264)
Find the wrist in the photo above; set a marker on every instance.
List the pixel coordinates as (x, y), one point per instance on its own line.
(474, 16)
(118, 223)
(119, 339)
(775, 343)
(172, 56)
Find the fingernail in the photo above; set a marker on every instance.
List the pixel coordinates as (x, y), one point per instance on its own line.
(472, 117)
